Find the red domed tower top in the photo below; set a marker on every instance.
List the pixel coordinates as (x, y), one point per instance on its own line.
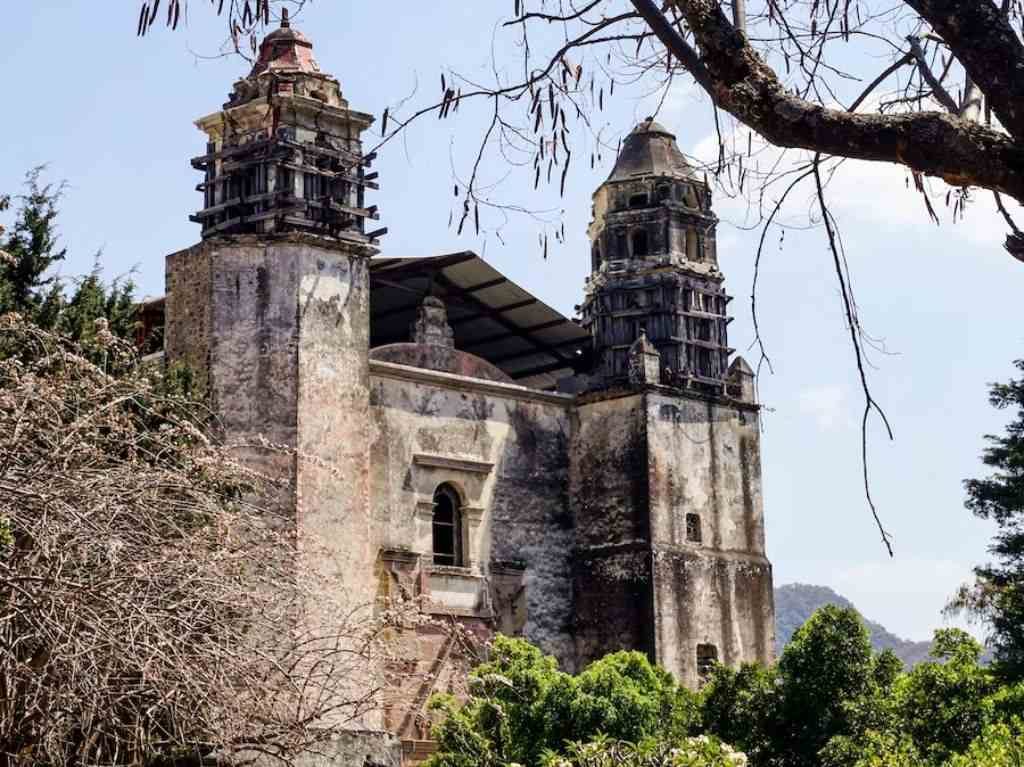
(285, 50)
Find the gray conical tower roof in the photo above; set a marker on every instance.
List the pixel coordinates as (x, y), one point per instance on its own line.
(650, 150)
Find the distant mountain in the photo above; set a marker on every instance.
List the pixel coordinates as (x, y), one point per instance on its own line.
(796, 602)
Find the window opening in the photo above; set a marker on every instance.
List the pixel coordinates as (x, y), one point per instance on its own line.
(707, 658)
(447, 527)
(664, 192)
(620, 239)
(639, 243)
(638, 201)
(693, 531)
(702, 330)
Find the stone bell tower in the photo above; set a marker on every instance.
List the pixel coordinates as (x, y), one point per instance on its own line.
(654, 266)
(665, 458)
(271, 308)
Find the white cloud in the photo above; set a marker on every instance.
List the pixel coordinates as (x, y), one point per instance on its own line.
(827, 405)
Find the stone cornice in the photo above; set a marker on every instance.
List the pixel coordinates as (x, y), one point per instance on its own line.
(354, 245)
(463, 383)
(449, 462)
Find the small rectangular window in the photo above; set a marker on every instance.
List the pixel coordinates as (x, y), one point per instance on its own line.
(693, 531)
(707, 658)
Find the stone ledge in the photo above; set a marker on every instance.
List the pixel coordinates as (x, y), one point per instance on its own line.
(462, 383)
(450, 462)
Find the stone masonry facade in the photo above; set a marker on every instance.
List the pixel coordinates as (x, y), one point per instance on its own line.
(621, 509)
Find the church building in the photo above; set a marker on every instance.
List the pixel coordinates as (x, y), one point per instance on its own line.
(590, 484)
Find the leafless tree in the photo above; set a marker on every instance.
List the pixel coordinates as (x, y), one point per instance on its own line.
(150, 610)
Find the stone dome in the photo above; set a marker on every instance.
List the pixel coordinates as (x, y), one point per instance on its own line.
(650, 150)
(285, 50)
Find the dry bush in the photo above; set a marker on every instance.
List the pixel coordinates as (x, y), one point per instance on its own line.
(150, 610)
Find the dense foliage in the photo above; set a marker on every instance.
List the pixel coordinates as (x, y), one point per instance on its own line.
(30, 253)
(795, 603)
(153, 608)
(830, 701)
(997, 596)
(522, 708)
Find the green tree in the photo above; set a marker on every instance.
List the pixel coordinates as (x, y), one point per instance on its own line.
(827, 690)
(29, 286)
(872, 749)
(942, 702)
(1000, 745)
(522, 709)
(93, 299)
(824, 671)
(740, 706)
(997, 595)
(606, 752)
(31, 248)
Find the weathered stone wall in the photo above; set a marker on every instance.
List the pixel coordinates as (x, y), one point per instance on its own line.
(359, 748)
(277, 331)
(505, 450)
(608, 491)
(704, 459)
(640, 464)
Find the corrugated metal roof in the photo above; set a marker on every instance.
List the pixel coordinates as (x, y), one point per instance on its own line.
(492, 317)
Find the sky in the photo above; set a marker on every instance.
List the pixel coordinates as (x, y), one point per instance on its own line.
(112, 115)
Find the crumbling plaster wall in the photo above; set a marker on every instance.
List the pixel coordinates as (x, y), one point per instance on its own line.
(276, 331)
(640, 463)
(608, 491)
(704, 459)
(505, 448)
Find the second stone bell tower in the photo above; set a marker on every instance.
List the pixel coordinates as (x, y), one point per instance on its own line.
(271, 308)
(666, 445)
(654, 266)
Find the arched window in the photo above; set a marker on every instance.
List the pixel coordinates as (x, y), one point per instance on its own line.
(639, 239)
(447, 527)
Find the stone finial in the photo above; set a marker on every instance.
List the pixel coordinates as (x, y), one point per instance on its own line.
(740, 381)
(644, 361)
(431, 326)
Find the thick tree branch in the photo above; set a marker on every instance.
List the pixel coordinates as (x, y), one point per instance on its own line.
(939, 93)
(960, 152)
(981, 38)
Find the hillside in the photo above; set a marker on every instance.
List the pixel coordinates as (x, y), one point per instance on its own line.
(795, 602)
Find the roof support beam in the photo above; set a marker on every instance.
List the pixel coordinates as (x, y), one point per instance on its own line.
(576, 343)
(498, 317)
(551, 367)
(426, 268)
(501, 309)
(520, 331)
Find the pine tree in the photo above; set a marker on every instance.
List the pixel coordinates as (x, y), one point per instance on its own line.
(29, 286)
(31, 248)
(997, 596)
